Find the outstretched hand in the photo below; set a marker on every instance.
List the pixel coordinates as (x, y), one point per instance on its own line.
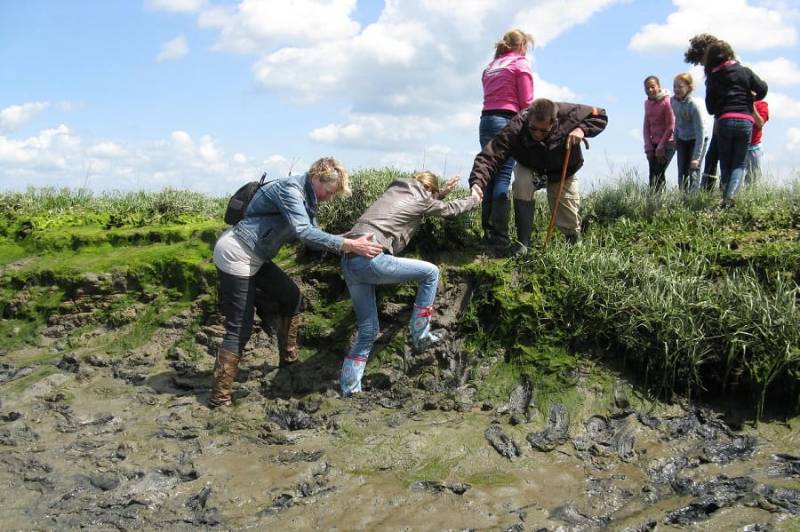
(449, 186)
(362, 245)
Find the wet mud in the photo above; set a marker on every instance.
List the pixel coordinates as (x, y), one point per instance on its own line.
(101, 442)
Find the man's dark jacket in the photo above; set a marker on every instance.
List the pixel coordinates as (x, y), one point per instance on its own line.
(544, 157)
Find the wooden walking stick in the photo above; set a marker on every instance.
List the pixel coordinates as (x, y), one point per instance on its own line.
(558, 196)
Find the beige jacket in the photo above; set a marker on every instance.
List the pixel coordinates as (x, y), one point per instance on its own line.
(395, 216)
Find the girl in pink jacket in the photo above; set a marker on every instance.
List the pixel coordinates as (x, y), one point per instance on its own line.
(659, 129)
(507, 89)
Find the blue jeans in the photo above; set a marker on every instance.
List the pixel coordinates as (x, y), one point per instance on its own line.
(362, 274)
(753, 164)
(498, 186)
(733, 139)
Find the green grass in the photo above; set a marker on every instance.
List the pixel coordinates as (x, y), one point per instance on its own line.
(686, 296)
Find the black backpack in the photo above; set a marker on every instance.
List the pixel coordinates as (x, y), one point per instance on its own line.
(238, 203)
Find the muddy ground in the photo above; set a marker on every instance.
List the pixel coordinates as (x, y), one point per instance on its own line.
(92, 441)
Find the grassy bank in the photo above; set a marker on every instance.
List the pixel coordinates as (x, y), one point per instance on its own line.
(691, 298)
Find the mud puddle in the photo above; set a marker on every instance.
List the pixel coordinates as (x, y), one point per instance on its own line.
(99, 442)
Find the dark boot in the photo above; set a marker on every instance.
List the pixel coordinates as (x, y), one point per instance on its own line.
(224, 373)
(523, 219)
(288, 331)
(499, 221)
(501, 244)
(486, 221)
(573, 239)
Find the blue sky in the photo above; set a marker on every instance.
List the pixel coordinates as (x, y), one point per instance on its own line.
(206, 94)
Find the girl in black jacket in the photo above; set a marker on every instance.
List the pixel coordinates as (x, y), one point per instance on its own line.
(730, 91)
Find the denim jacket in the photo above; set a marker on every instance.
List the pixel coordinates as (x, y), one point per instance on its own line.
(280, 212)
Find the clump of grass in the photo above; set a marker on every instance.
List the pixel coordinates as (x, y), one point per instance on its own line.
(681, 331)
(48, 208)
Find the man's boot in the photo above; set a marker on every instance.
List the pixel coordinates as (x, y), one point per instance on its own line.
(501, 244)
(486, 221)
(288, 331)
(523, 219)
(573, 239)
(224, 373)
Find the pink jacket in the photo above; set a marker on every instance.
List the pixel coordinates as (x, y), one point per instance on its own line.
(507, 83)
(659, 125)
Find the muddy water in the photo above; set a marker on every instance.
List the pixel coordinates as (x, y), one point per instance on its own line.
(128, 444)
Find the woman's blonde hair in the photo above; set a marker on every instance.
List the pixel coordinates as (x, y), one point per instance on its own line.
(329, 170)
(428, 179)
(513, 41)
(686, 78)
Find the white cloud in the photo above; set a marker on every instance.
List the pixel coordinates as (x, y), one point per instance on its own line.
(793, 139)
(782, 106)
(50, 148)
(397, 64)
(177, 6)
(778, 71)
(764, 28)
(181, 139)
(14, 116)
(548, 19)
(552, 91)
(173, 50)
(377, 131)
(106, 149)
(257, 25)
(179, 161)
(205, 150)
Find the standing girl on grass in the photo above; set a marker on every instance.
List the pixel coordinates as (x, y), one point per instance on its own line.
(507, 89)
(659, 126)
(730, 91)
(689, 141)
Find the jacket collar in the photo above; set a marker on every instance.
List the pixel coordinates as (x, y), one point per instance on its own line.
(311, 197)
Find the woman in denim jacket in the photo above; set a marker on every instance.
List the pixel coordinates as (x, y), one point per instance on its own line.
(391, 222)
(280, 212)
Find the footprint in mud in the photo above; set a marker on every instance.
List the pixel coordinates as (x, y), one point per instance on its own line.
(501, 442)
(433, 486)
(556, 433)
(786, 465)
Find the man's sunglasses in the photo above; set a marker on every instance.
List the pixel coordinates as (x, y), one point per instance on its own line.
(543, 130)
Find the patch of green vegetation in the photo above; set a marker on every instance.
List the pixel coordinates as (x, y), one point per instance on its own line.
(16, 333)
(430, 467)
(23, 383)
(10, 252)
(184, 266)
(76, 237)
(687, 296)
(491, 478)
(142, 329)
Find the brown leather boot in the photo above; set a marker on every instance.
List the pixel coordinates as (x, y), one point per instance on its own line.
(288, 330)
(224, 373)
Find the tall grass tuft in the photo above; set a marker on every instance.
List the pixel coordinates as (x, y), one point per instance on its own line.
(115, 209)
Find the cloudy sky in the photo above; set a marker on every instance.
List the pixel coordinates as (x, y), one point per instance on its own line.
(206, 94)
